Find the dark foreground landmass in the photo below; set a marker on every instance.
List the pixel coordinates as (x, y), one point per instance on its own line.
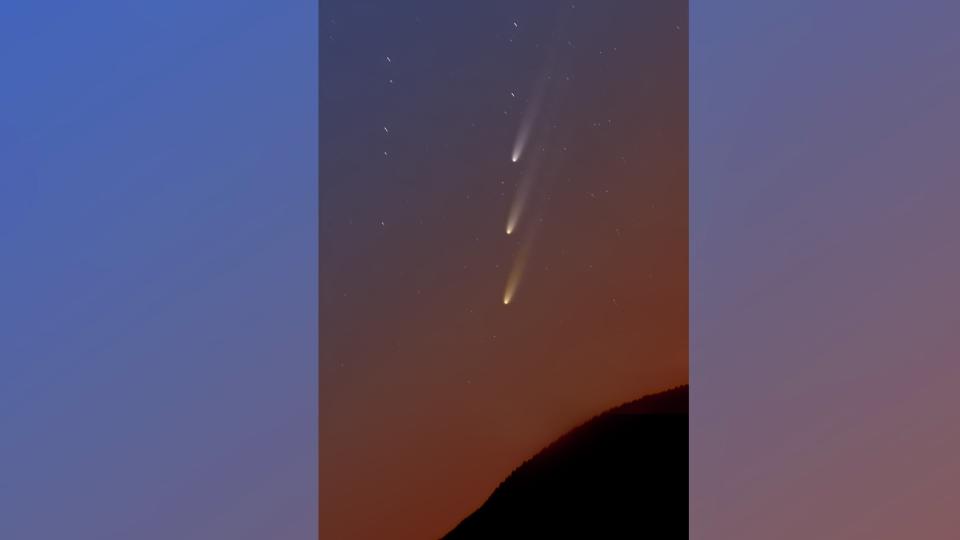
(622, 474)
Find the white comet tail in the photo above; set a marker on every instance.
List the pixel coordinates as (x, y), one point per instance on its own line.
(527, 122)
(520, 197)
(516, 209)
(523, 134)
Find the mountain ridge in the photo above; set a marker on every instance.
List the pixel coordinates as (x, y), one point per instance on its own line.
(585, 482)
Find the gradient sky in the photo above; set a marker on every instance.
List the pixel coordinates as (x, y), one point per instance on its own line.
(158, 206)
(824, 290)
(431, 389)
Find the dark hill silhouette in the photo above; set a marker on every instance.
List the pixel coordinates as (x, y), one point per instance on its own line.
(623, 474)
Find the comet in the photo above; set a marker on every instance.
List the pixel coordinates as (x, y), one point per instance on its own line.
(516, 272)
(513, 280)
(526, 126)
(524, 188)
(520, 200)
(517, 207)
(529, 119)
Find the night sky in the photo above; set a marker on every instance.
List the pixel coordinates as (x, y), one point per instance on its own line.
(432, 388)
